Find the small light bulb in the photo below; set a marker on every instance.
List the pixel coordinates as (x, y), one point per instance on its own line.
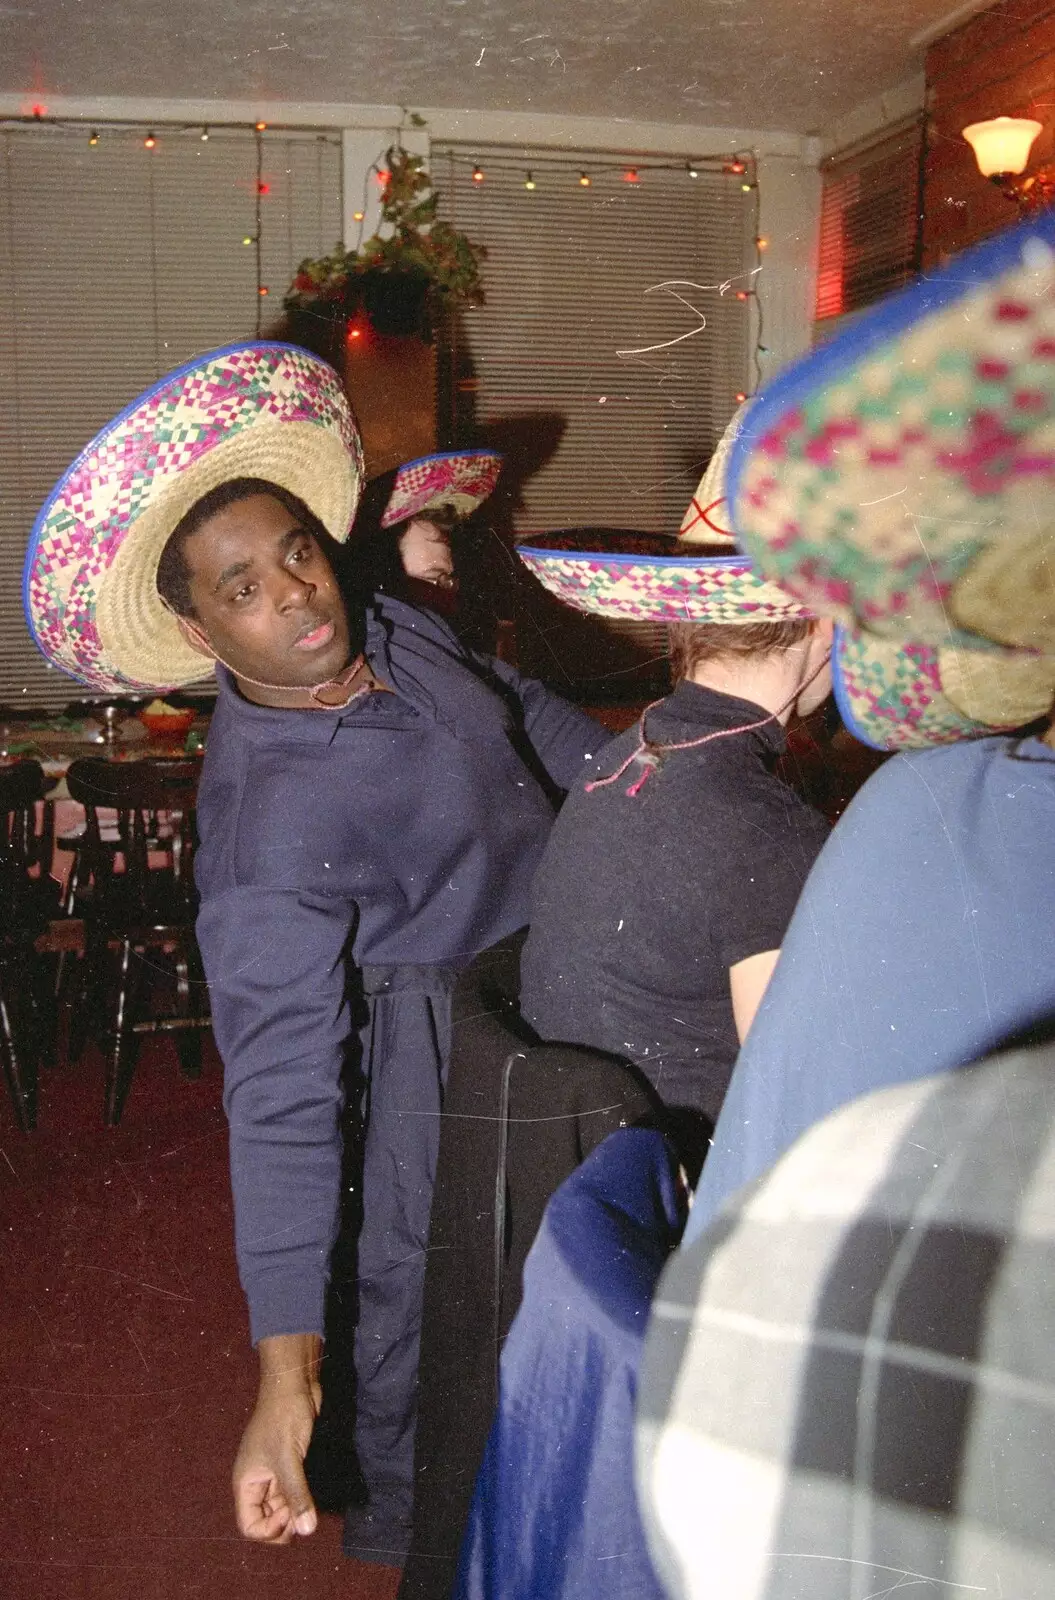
(693, 172)
(204, 136)
(249, 239)
(584, 180)
(747, 187)
(263, 289)
(93, 137)
(740, 397)
(630, 175)
(529, 182)
(478, 174)
(357, 216)
(260, 127)
(150, 142)
(762, 244)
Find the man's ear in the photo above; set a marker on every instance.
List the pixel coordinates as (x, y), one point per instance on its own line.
(194, 636)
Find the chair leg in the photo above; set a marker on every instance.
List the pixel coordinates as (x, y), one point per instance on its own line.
(121, 1056)
(188, 1040)
(85, 993)
(44, 1008)
(19, 1062)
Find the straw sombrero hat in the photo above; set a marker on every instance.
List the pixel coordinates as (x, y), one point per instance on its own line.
(900, 479)
(462, 479)
(269, 411)
(699, 576)
(902, 475)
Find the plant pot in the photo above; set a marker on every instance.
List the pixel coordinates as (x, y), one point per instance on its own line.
(396, 303)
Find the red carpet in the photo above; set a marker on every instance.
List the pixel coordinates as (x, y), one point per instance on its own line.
(125, 1364)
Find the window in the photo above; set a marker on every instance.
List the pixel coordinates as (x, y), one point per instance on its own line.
(117, 263)
(870, 215)
(611, 337)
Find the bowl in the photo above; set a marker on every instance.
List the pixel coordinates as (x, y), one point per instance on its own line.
(171, 725)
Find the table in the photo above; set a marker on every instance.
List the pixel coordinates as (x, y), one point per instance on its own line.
(57, 742)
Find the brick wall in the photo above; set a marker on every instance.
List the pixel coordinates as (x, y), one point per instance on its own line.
(1000, 63)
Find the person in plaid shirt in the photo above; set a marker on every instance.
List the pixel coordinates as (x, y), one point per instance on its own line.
(848, 1381)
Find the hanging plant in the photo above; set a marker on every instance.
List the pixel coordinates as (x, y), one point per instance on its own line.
(405, 276)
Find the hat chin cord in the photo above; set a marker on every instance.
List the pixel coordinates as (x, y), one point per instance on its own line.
(651, 756)
(342, 683)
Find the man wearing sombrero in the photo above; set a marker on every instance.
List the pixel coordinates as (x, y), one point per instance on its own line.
(367, 827)
(671, 874)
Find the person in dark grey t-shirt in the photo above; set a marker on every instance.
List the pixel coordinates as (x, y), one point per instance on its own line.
(657, 915)
(669, 878)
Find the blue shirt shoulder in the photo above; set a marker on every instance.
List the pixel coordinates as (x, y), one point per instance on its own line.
(922, 940)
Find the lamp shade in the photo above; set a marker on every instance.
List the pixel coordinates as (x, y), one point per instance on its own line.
(1002, 144)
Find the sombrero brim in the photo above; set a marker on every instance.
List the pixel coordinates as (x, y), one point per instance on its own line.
(462, 479)
(871, 476)
(907, 696)
(636, 578)
(268, 411)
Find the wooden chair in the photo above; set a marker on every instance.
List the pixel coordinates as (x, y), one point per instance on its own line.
(28, 905)
(133, 905)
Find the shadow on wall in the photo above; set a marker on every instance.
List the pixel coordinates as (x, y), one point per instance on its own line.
(582, 657)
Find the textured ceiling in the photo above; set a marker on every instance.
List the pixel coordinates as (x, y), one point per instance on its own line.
(789, 64)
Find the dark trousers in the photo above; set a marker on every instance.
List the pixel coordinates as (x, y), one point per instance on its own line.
(405, 1052)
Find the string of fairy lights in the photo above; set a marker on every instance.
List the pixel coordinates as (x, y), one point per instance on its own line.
(537, 172)
(98, 131)
(738, 167)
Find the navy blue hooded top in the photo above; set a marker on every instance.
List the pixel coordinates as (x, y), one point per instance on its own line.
(403, 829)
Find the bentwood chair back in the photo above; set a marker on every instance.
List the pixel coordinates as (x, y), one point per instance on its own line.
(135, 897)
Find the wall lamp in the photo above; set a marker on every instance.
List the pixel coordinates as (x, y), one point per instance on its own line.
(1001, 148)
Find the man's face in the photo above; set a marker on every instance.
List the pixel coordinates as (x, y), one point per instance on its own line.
(266, 598)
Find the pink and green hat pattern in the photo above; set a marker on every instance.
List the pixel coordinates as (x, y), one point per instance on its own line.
(640, 577)
(891, 697)
(462, 478)
(870, 475)
(168, 428)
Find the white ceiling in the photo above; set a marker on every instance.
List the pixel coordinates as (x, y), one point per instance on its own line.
(787, 64)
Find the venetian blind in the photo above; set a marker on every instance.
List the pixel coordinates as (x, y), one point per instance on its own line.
(611, 324)
(870, 219)
(117, 263)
